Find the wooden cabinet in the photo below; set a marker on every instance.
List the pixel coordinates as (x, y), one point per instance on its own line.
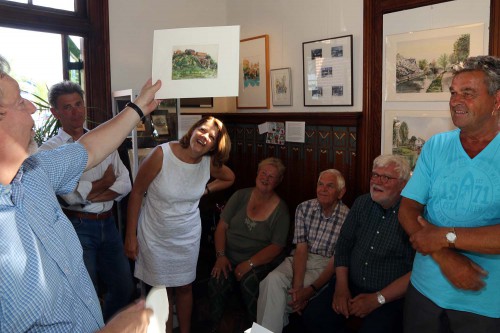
(330, 142)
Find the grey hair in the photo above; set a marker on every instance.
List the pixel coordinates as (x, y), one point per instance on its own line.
(4, 66)
(276, 162)
(489, 65)
(4, 69)
(338, 175)
(402, 165)
(63, 88)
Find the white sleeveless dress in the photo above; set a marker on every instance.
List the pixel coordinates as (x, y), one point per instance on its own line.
(169, 227)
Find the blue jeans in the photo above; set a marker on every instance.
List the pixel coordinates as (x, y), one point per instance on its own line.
(105, 261)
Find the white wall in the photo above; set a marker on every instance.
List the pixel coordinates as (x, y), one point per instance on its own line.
(288, 23)
(131, 26)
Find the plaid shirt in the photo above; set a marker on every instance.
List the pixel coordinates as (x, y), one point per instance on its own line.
(319, 232)
(373, 245)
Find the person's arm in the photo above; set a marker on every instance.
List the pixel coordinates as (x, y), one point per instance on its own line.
(100, 187)
(105, 138)
(342, 293)
(409, 210)
(133, 319)
(430, 238)
(462, 272)
(222, 263)
(364, 304)
(223, 178)
(302, 295)
(299, 265)
(148, 170)
(264, 256)
(121, 185)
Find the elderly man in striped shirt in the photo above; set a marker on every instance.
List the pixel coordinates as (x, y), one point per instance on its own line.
(318, 222)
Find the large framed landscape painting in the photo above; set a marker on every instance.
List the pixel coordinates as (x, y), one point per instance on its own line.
(405, 132)
(196, 62)
(419, 64)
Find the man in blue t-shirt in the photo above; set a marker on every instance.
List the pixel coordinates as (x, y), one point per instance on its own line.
(451, 210)
(44, 285)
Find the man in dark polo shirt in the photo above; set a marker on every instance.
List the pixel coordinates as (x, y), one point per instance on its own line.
(373, 259)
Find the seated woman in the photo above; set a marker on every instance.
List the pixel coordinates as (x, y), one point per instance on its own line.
(249, 240)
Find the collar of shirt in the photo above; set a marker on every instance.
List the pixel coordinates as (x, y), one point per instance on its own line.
(6, 190)
(320, 209)
(65, 137)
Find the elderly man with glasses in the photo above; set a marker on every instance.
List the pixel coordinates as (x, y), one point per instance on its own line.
(373, 259)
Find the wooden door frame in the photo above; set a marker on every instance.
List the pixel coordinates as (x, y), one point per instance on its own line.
(370, 131)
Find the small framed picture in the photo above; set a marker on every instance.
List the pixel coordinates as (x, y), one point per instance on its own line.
(281, 85)
(328, 72)
(160, 124)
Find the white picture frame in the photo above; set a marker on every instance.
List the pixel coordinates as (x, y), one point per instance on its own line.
(327, 72)
(281, 86)
(420, 124)
(253, 85)
(216, 48)
(428, 45)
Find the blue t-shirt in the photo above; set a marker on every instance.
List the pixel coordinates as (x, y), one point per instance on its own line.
(458, 191)
(44, 285)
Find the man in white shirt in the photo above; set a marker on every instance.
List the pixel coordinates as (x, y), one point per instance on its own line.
(89, 206)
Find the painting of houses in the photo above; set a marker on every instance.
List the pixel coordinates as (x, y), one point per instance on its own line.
(409, 134)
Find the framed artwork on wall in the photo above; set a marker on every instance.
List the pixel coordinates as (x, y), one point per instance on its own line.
(196, 62)
(253, 85)
(419, 64)
(281, 85)
(405, 132)
(327, 65)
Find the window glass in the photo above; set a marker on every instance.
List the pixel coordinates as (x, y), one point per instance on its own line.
(57, 4)
(75, 61)
(35, 60)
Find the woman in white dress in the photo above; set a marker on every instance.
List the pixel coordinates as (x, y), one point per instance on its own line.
(171, 181)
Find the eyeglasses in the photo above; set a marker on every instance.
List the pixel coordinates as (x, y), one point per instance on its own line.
(383, 179)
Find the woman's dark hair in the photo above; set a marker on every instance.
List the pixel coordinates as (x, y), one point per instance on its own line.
(222, 146)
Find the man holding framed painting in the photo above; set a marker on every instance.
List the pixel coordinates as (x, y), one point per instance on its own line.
(451, 210)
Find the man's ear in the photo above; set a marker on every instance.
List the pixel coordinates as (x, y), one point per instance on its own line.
(341, 193)
(54, 113)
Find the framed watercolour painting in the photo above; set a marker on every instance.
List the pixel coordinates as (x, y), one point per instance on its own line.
(281, 85)
(327, 67)
(405, 132)
(196, 62)
(418, 64)
(253, 85)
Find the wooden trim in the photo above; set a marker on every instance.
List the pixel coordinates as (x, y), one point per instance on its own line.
(91, 21)
(494, 44)
(328, 119)
(370, 131)
(97, 58)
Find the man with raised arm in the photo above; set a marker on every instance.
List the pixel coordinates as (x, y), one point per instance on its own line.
(44, 285)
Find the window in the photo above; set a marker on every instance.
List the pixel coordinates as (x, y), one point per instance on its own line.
(83, 36)
(68, 5)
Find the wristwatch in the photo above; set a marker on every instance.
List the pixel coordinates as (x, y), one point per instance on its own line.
(380, 298)
(220, 253)
(451, 237)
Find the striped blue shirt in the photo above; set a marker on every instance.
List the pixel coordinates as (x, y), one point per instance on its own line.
(44, 285)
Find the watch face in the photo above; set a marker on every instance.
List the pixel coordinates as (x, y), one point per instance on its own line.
(380, 298)
(451, 237)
